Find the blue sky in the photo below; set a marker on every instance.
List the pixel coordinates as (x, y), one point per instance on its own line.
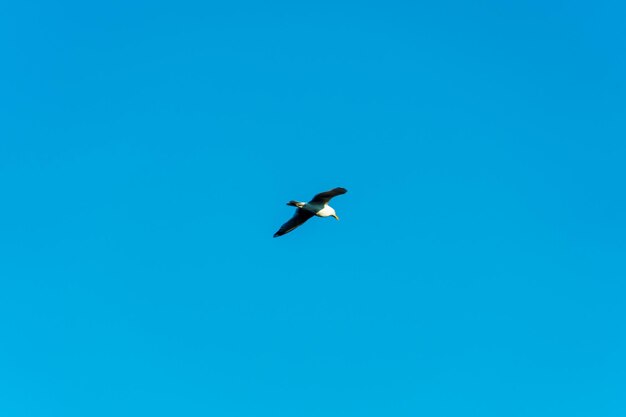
(146, 154)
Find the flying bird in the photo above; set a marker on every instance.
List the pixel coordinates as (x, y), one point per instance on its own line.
(318, 206)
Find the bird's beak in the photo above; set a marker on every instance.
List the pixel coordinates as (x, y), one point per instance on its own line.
(335, 216)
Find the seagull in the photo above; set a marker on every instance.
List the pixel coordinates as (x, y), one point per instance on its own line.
(318, 206)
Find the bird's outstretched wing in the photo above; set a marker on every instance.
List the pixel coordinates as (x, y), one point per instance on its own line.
(300, 217)
(323, 198)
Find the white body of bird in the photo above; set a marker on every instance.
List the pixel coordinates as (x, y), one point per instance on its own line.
(321, 211)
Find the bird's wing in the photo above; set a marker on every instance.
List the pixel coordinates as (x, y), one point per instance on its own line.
(300, 217)
(323, 198)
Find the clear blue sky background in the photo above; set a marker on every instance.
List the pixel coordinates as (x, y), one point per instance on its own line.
(147, 150)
